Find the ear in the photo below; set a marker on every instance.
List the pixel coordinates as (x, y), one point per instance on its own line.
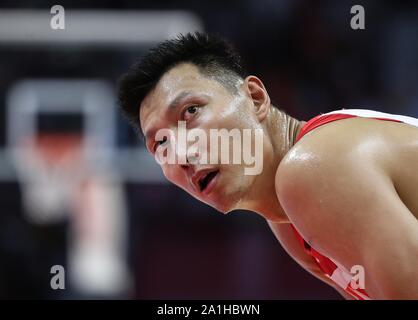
(255, 89)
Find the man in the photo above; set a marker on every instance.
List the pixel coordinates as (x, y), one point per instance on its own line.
(339, 192)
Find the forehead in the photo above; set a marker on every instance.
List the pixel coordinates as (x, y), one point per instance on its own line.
(184, 77)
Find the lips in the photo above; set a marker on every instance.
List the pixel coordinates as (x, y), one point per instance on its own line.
(204, 180)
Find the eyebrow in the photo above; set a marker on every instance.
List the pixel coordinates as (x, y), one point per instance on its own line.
(171, 106)
(176, 101)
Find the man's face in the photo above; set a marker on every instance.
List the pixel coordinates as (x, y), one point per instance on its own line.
(205, 104)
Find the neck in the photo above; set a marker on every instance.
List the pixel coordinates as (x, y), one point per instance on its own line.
(281, 131)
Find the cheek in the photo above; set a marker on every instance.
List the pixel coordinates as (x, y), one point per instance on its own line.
(168, 173)
(223, 113)
(239, 117)
(173, 174)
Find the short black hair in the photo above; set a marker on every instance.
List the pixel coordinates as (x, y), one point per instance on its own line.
(214, 57)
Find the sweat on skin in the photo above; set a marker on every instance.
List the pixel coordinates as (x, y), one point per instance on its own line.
(185, 94)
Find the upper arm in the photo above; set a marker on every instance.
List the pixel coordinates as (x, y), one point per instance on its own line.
(345, 204)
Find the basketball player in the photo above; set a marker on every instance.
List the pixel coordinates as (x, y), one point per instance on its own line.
(338, 191)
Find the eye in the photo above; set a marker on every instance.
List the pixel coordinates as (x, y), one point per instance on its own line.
(190, 111)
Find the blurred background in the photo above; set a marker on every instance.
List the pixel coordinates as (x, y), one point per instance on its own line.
(76, 186)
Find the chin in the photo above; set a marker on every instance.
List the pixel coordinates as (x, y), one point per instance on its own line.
(223, 207)
(221, 199)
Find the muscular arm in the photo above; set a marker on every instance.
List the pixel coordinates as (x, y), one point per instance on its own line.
(342, 198)
(287, 239)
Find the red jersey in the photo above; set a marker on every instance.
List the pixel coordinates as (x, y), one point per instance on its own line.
(336, 272)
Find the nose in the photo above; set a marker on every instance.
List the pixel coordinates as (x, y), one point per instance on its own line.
(187, 153)
(192, 157)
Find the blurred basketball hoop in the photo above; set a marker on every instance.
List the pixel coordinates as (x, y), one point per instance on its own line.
(75, 174)
(57, 131)
(50, 168)
(61, 138)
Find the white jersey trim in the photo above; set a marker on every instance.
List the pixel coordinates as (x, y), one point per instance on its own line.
(377, 114)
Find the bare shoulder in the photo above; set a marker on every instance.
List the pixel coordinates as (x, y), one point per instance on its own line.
(358, 144)
(351, 183)
(326, 150)
(328, 172)
(354, 142)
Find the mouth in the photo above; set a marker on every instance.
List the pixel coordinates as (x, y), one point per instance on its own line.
(207, 181)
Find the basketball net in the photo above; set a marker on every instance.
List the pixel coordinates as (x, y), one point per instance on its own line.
(56, 180)
(50, 168)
